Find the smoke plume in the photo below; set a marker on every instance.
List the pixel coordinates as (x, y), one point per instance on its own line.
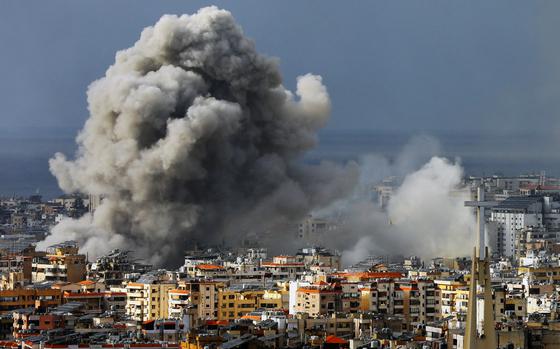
(192, 137)
(425, 215)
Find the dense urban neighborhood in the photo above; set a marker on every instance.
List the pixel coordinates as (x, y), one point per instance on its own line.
(244, 297)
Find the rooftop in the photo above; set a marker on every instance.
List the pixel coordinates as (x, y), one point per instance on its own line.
(517, 202)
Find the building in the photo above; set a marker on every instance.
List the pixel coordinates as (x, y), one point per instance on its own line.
(312, 229)
(512, 215)
(236, 302)
(508, 305)
(29, 298)
(115, 267)
(62, 262)
(203, 295)
(318, 299)
(414, 301)
(179, 303)
(319, 256)
(284, 268)
(534, 239)
(541, 274)
(148, 299)
(452, 293)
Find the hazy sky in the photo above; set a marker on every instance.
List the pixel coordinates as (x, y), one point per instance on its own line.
(411, 65)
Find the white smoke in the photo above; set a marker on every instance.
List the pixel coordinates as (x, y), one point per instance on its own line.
(191, 136)
(428, 208)
(425, 217)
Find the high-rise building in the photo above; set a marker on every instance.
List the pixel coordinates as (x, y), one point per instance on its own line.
(512, 215)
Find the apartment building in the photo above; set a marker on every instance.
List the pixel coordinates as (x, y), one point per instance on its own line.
(415, 301)
(99, 302)
(333, 324)
(62, 262)
(318, 300)
(350, 297)
(508, 305)
(541, 273)
(285, 267)
(203, 297)
(451, 293)
(29, 298)
(233, 303)
(178, 302)
(512, 215)
(148, 300)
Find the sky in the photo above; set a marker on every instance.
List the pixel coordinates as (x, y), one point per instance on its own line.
(460, 67)
(389, 65)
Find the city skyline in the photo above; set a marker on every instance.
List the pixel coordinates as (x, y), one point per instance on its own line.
(255, 175)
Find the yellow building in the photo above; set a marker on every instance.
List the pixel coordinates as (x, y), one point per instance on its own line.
(452, 296)
(62, 262)
(235, 303)
(148, 301)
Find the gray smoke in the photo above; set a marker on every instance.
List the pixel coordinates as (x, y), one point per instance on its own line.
(192, 137)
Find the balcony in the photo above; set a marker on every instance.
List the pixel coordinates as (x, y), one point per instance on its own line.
(179, 302)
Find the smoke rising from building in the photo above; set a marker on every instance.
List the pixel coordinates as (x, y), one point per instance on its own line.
(192, 136)
(425, 215)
